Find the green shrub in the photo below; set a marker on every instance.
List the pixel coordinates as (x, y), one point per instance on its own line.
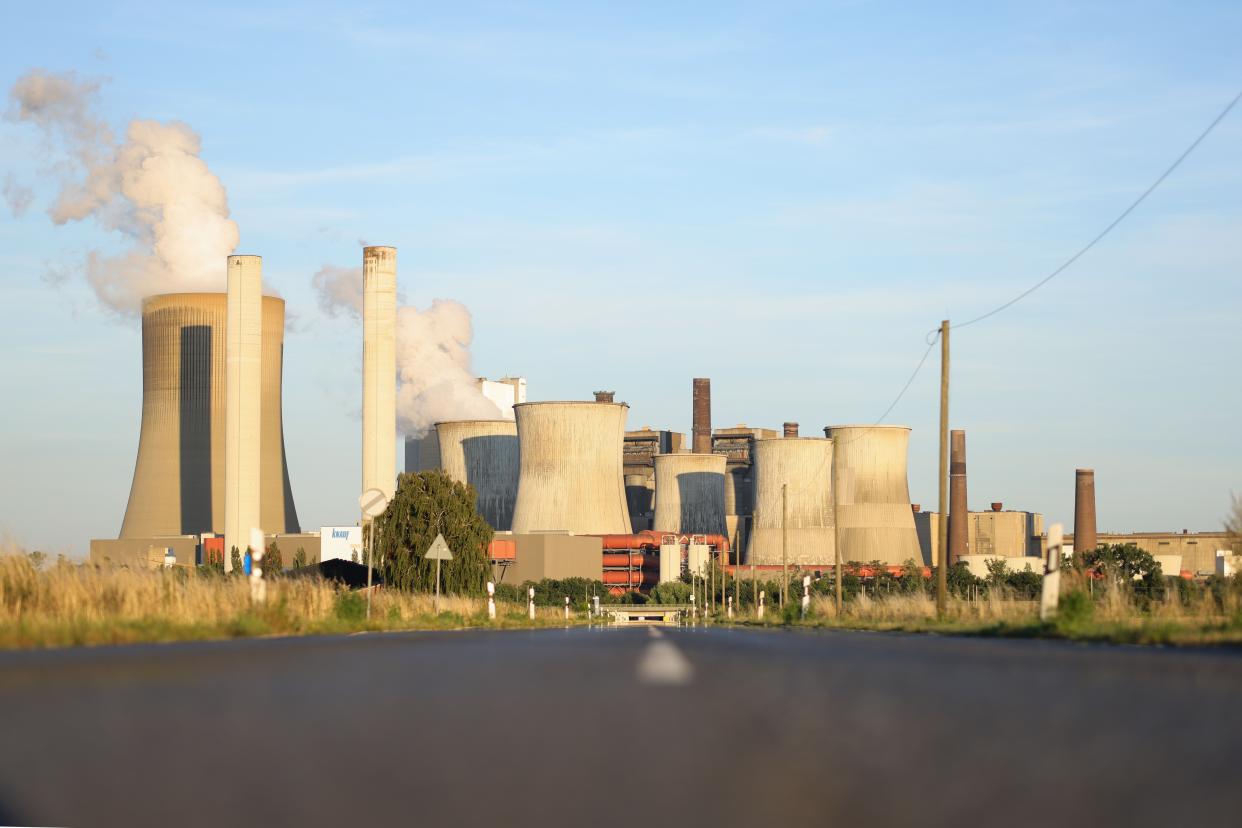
(1075, 608)
(349, 606)
(273, 561)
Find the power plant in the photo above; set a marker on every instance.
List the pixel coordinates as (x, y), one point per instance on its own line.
(379, 369)
(874, 518)
(690, 494)
(243, 378)
(794, 520)
(570, 476)
(483, 454)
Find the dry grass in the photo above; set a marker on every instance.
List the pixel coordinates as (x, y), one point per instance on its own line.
(65, 604)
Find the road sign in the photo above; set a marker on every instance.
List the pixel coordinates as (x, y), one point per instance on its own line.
(439, 550)
(373, 502)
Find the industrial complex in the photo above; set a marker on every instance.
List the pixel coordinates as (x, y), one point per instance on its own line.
(568, 488)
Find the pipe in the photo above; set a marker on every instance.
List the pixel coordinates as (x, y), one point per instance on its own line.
(631, 560)
(630, 577)
(651, 538)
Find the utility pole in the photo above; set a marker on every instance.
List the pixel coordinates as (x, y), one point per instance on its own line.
(942, 550)
(784, 544)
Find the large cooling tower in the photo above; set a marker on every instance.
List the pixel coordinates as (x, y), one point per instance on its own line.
(690, 494)
(379, 369)
(805, 467)
(570, 468)
(178, 486)
(484, 453)
(874, 519)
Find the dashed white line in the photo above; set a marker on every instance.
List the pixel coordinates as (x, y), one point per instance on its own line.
(662, 663)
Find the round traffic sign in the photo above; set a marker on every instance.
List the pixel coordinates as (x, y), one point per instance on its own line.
(373, 502)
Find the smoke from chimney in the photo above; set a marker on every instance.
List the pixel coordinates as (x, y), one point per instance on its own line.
(433, 355)
(152, 188)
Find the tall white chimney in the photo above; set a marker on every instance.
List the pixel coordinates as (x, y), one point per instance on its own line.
(379, 369)
(243, 399)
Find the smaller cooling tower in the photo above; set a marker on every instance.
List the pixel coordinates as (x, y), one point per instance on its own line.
(690, 494)
(874, 518)
(805, 466)
(570, 470)
(484, 454)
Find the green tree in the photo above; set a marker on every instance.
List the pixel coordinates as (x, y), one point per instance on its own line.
(235, 558)
(299, 558)
(273, 561)
(427, 504)
(1127, 561)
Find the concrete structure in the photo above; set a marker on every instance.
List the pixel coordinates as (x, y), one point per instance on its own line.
(958, 530)
(1196, 549)
(638, 454)
(178, 485)
(789, 430)
(188, 549)
(484, 454)
(505, 392)
(689, 494)
(1084, 508)
(737, 446)
(701, 415)
(978, 564)
(805, 467)
(422, 453)
(379, 369)
(570, 474)
(874, 519)
(243, 402)
(991, 534)
(552, 555)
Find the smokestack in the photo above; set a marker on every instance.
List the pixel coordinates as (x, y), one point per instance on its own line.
(379, 369)
(791, 430)
(1084, 512)
(997, 506)
(243, 402)
(959, 530)
(702, 416)
(605, 396)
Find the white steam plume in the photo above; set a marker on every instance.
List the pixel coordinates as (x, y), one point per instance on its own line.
(153, 188)
(433, 354)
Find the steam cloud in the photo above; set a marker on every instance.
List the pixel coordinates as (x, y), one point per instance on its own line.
(433, 354)
(152, 188)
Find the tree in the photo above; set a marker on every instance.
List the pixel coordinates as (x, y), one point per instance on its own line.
(299, 558)
(1127, 561)
(235, 558)
(1233, 523)
(424, 505)
(273, 561)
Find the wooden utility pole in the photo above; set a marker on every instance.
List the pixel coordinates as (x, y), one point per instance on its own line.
(942, 551)
(784, 543)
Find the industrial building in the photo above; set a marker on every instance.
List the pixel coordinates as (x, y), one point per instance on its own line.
(179, 475)
(995, 533)
(639, 451)
(483, 454)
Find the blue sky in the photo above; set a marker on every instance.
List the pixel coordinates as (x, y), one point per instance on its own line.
(783, 197)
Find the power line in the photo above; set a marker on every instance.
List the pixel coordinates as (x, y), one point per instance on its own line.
(1124, 213)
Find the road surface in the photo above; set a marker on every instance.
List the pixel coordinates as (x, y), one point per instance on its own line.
(621, 727)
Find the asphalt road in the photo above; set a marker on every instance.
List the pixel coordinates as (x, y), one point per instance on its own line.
(621, 727)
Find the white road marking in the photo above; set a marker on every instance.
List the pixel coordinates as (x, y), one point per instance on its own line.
(654, 633)
(663, 663)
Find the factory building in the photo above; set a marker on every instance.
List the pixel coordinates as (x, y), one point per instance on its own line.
(995, 533)
(1196, 550)
(179, 475)
(639, 451)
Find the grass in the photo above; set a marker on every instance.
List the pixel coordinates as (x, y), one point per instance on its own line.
(1113, 615)
(69, 605)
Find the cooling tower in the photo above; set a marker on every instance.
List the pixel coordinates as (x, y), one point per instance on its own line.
(570, 475)
(690, 494)
(243, 404)
(379, 369)
(874, 519)
(178, 486)
(805, 466)
(484, 454)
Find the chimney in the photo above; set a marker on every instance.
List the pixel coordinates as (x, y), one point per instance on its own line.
(701, 429)
(916, 507)
(1084, 512)
(959, 530)
(997, 506)
(605, 396)
(791, 430)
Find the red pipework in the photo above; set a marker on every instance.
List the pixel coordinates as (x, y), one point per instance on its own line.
(650, 538)
(631, 560)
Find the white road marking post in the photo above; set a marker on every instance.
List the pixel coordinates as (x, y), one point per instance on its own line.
(491, 601)
(694, 610)
(530, 605)
(806, 595)
(566, 607)
(762, 594)
(258, 587)
(1050, 591)
(595, 598)
(730, 606)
